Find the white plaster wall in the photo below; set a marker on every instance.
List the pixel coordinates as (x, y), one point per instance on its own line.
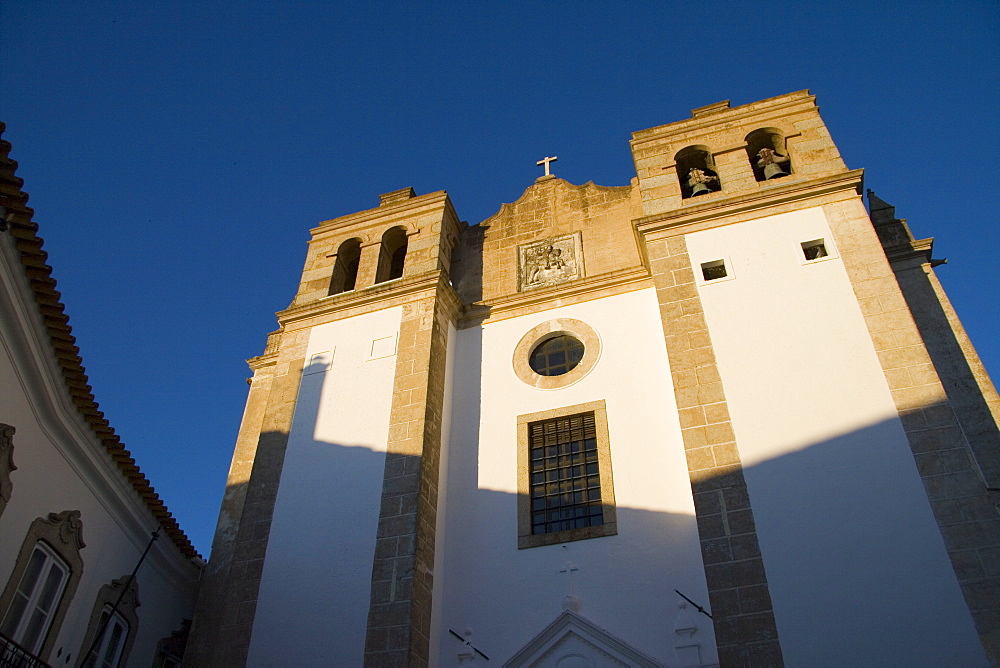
(626, 582)
(45, 482)
(440, 534)
(61, 466)
(856, 566)
(316, 584)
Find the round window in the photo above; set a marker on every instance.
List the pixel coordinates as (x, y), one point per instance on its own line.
(556, 356)
(556, 353)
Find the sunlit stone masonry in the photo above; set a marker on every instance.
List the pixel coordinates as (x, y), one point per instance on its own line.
(720, 415)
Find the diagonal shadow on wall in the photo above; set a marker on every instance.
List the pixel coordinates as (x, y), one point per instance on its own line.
(855, 563)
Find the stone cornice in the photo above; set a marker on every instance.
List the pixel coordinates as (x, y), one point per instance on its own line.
(580, 290)
(398, 209)
(722, 211)
(261, 361)
(770, 107)
(919, 249)
(365, 299)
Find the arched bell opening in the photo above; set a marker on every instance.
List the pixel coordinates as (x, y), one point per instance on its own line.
(345, 269)
(696, 171)
(392, 257)
(767, 154)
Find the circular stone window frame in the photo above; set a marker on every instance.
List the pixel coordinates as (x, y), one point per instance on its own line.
(550, 329)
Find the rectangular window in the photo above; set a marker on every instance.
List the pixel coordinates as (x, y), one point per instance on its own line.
(714, 270)
(108, 650)
(565, 476)
(565, 486)
(814, 250)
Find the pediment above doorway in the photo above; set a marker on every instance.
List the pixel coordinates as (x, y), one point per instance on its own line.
(572, 641)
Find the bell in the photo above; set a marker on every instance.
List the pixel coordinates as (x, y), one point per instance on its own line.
(773, 171)
(699, 189)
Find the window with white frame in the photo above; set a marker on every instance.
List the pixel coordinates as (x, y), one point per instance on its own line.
(36, 598)
(42, 584)
(107, 651)
(109, 638)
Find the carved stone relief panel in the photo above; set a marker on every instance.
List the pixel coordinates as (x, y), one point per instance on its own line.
(550, 261)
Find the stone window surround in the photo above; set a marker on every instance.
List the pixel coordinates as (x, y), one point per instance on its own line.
(549, 329)
(106, 599)
(63, 533)
(525, 539)
(35, 585)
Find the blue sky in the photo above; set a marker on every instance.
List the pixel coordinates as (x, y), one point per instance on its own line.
(177, 153)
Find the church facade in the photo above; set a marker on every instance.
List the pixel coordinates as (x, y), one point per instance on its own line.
(720, 416)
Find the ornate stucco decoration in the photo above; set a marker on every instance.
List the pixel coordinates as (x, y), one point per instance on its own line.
(69, 527)
(572, 639)
(131, 596)
(123, 594)
(6, 464)
(550, 261)
(63, 533)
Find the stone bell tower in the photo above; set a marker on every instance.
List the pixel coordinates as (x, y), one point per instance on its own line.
(841, 366)
(345, 412)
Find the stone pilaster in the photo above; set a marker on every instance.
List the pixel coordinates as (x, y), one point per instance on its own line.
(209, 614)
(402, 578)
(970, 391)
(745, 628)
(229, 603)
(368, 264)
(965, 513)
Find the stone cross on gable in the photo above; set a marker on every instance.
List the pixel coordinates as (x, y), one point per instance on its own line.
(545, 162)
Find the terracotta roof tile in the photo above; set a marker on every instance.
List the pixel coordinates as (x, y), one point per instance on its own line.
(65, 351)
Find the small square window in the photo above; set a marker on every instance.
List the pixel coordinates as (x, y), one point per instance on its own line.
(815, 249)
(714, 270)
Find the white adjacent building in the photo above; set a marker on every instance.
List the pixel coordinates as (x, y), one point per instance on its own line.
(722, 415)
(76, 514)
